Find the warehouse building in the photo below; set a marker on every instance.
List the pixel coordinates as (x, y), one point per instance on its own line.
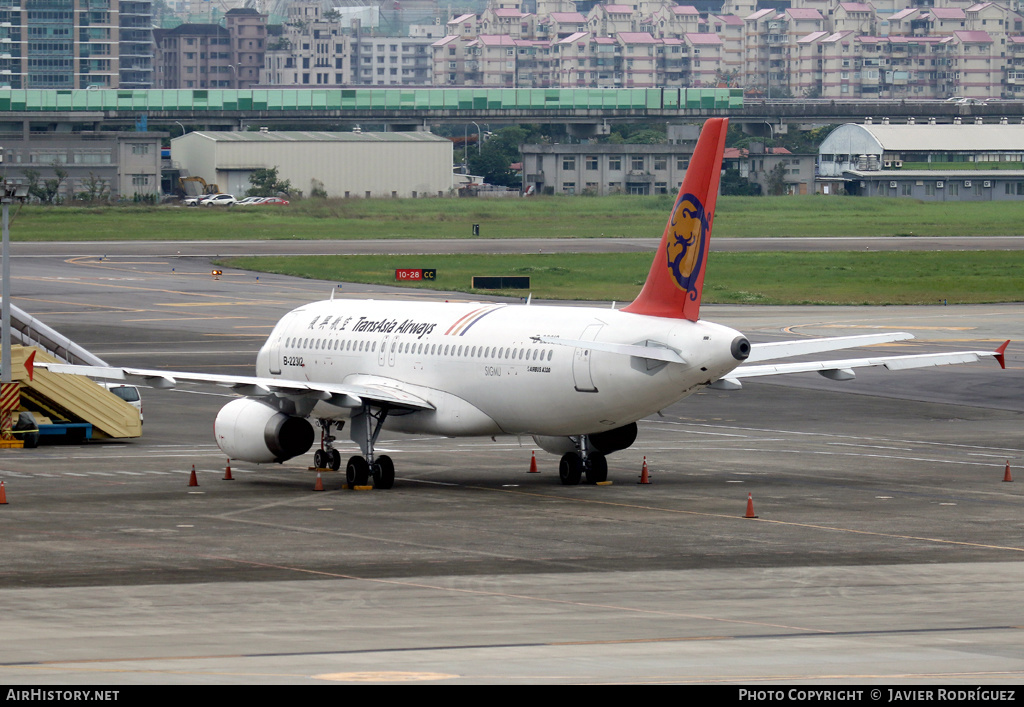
(353, 164)
(930, 162)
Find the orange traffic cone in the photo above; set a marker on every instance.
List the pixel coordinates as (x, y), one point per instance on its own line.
(227, 472)
(644, 477)
(750, 507)
(192, 479)
(1006, 476)
(319, 483)
(533, 463)
(3, 494)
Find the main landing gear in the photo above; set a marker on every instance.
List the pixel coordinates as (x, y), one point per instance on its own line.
(360, 469)
(366, 425)
(585, 460)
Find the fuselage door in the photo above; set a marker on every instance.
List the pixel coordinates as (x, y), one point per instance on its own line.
(276, 344)
(581, 361)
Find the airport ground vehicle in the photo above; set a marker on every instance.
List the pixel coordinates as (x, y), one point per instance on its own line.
(128, 393)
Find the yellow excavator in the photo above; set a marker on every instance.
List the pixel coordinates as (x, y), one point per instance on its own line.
(196, 189)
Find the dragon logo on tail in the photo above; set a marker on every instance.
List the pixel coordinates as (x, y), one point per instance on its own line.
(685, 247)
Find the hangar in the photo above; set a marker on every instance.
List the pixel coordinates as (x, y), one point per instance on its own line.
(347, 164)
(927, 161)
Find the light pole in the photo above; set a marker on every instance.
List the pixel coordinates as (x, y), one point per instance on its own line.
(11, 194)
(478, 136)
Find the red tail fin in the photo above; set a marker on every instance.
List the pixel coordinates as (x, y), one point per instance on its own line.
(674, 285)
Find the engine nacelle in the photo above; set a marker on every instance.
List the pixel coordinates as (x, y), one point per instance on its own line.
(252, 431)
(555, 445)
(603, 442)
(615, 440)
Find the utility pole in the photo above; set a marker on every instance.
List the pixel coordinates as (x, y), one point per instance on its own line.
(8, 392)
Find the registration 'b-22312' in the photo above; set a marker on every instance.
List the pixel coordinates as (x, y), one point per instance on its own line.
(576, 379)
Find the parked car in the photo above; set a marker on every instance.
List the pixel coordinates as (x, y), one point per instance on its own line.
(250, 200)
(273, 201)
(193, 200)
(218, 200)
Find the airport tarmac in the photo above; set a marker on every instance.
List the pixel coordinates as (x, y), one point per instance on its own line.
(888, 549)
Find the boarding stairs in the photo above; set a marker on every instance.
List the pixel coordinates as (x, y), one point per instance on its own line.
(70, 398)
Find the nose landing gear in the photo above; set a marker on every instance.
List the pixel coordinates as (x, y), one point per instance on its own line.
(327, 457)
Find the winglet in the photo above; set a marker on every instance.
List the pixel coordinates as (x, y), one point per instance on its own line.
(30, 365)
(1001, 354)
(676, 279)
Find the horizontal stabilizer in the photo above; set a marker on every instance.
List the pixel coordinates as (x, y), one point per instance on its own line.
(784, 349)
(893, 363)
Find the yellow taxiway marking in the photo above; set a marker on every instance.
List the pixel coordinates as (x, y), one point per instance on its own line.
(878, 326)
(384, 676)
(182, 318)
(248, 303)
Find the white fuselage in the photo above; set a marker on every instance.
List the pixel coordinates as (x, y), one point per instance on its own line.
(479, 366)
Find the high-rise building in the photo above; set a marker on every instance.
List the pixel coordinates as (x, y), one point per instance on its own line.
(212, 56)
(68, 44)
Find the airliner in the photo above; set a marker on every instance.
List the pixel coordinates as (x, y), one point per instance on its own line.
(576, 379)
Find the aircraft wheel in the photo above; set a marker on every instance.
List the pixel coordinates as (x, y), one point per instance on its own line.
(320, 459)
(357, 473)
(383, 472)
(597, 471)
(570, 469)
(335, 459)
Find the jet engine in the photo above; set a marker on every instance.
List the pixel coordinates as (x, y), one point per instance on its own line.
(614, 440)
(603, 442)
(252, 431)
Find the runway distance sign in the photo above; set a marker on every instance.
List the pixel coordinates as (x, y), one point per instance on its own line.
(415, 274)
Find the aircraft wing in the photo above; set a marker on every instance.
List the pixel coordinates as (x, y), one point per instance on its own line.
(655, 352)
(844, 369)
(338, 394)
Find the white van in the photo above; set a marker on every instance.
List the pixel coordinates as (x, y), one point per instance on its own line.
(127, 393)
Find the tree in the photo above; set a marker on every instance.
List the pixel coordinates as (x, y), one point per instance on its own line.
(776, 180)
(265, 183)
(733, 184)
(47, 191)
(493, 159)
(96, 189)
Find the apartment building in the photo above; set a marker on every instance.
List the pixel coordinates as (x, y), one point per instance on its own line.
(312, 50)
(212, 56)
(817, 48)
(68, 44)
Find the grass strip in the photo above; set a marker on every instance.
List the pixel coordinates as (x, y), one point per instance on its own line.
(840, 278)
(536, 217)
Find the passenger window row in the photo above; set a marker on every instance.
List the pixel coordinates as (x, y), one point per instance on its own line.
(450, 350)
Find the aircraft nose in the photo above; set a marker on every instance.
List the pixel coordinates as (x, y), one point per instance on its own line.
(740, 348)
